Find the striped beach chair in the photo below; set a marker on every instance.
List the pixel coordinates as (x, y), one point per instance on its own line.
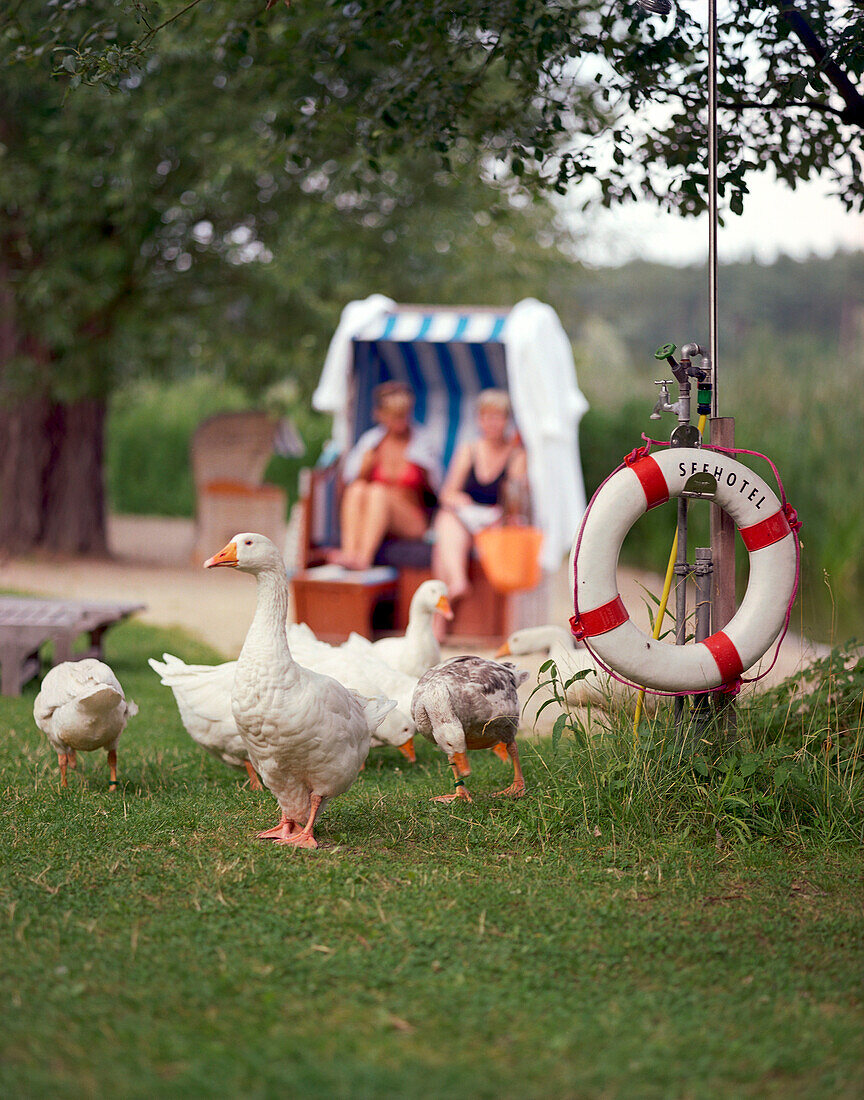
(448, 355)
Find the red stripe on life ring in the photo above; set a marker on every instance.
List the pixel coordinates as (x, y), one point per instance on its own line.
(652, 481)
(601, 620)
(722, 649)
(769, 530)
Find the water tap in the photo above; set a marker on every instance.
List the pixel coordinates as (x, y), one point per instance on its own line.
(663, 404)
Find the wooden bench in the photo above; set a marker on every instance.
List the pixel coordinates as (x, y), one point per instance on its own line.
(26, 624)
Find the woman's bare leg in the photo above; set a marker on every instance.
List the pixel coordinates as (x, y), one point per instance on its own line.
(354, 501)
(387, 512)
(450, 553)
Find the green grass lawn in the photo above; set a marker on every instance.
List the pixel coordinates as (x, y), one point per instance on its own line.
(151, 947)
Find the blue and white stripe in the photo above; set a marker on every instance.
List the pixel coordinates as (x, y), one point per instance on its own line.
(446, 356)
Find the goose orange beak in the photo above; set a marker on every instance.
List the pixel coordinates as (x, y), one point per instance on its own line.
(504, 651)
(408, 750)
(226, 556)
(460, 759)
(444, 608)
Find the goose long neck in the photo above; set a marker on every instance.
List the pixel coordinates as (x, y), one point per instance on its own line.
(271, 613)
(419, 619)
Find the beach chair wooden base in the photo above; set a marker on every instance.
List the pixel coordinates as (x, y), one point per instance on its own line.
(333, 608)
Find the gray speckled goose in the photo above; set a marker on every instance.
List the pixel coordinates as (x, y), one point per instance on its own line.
(470, 703)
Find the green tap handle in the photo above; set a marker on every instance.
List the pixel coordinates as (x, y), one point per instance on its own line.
(665, 351)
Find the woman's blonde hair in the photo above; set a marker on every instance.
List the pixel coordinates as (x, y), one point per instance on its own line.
(494, 399)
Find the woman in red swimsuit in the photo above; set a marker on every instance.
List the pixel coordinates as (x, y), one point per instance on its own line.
(389, 491)
(475, 490)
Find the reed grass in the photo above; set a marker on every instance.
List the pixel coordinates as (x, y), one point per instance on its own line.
(790, 766)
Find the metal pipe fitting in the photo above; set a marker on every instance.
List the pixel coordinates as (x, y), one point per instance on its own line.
(663, 403)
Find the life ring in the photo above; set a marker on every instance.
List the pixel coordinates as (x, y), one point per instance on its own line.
(764, 525)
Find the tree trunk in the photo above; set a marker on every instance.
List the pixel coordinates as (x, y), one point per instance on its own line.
(52, 492)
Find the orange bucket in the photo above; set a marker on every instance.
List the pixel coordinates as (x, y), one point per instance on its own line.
(510, 557)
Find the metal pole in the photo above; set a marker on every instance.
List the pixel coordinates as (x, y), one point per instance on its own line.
(682, 568)
(702, 576)
(682, 571)
(713, 339)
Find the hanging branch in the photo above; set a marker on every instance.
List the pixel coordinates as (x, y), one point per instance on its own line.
(854, 112)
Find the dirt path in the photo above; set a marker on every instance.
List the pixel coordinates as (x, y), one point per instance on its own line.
(152, 565)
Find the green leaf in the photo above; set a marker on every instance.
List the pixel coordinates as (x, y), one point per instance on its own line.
(558, 728)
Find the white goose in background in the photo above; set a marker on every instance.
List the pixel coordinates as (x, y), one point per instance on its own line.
(203, 697)
(363, 672)
(597, 689)
(307, 736)
(357, 667)
(470, 703)
(81, 707)
(418, 649)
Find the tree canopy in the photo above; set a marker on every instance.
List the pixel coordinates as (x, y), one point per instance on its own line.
(549, 91)
(175, 195)
(162, 223)
(191, 183)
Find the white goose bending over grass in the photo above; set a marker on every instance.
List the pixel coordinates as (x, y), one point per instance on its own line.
(597, 688)
(307, 736)
(363, 673)
(81, 707)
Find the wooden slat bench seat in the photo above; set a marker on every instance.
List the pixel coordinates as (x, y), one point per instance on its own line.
(27, 623)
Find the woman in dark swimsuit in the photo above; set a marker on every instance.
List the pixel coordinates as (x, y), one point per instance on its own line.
(475, 490)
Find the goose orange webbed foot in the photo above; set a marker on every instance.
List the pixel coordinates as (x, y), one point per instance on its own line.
(500, 751)
(461, 793)
(280, 832)
(300, 840)
(515, 790)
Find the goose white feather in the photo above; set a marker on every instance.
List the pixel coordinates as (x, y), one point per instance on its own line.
(418, 649)
(203, 694)
(203, 697)
(597, 688)
(306, 734)
(81, 707)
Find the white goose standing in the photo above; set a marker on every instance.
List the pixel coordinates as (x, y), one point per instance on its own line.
(307, 736)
